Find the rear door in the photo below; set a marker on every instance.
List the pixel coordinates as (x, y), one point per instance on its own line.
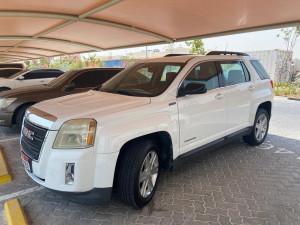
(239, 92)
(202, 117)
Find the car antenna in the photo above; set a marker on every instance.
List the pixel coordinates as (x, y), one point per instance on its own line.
(226, 48)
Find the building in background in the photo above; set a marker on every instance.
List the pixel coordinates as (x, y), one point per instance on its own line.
(276, 62)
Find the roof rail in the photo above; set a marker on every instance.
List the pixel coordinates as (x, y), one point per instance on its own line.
(226, 53)
(172, 55)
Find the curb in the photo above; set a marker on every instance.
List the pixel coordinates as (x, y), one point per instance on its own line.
(4, 175)
(14, 213)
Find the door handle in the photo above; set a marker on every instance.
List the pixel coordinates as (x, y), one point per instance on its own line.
(251, 88)
(219, 96)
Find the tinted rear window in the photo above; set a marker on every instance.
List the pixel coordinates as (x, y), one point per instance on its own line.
(8, 72)
(260, 70)
(12, 65)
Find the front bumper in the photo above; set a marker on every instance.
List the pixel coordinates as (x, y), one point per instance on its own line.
(99, 196)
(93, 173)
(6, 118)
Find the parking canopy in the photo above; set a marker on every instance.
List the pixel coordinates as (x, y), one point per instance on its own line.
(40, 28)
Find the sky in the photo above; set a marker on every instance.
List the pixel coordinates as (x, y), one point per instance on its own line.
(251, 41)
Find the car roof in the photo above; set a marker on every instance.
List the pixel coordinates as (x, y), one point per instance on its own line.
(11, 68)
(99, 68)
(43, 69)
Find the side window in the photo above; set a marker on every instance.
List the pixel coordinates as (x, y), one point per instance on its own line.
(8, 73)
(111, 73)
(89, 79)
(205, 73)
(36, 74)
(42, 74)
(234, 73)
(52, 73)
(260, 70)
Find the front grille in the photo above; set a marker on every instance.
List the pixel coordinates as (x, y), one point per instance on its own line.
(32, 140)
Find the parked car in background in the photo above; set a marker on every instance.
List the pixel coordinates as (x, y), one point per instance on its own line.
(12, 65)
(13, 103)
(150, 116)
(8, 72)
(32, 77)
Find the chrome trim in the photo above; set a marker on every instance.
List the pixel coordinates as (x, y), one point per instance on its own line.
(42, 148)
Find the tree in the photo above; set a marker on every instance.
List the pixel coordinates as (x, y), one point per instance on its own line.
(290, 37)
(197, 47)
(169, 48)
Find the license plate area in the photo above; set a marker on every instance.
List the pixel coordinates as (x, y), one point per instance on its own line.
(27, 162)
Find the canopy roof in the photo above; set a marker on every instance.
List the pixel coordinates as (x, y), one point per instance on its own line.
(35, 29)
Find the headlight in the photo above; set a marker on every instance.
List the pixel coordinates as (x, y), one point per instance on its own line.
(6, 102)
(79, 133)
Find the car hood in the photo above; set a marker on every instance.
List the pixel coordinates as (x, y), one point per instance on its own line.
(91, 104)
(20, 92)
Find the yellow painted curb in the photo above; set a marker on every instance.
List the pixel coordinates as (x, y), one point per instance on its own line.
(4, 175)
(14, 213)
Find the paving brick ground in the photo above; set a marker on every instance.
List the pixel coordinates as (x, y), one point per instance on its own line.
(236, 184)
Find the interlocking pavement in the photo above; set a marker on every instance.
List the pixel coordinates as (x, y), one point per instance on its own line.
(235, 184)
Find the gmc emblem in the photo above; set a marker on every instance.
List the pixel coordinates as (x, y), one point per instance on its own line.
(28, 133)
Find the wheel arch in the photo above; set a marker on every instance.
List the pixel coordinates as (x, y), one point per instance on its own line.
(162, 139)
(267, 106)
(18, 108)
(7, 88)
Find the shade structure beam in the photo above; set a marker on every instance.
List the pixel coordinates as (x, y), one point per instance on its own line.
(34, 48)
(81, 18)
(55, 40)
(25, 53)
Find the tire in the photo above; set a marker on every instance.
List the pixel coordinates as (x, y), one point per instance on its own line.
(256, 138)
(132, 168)
(4, 89)
(20, 114)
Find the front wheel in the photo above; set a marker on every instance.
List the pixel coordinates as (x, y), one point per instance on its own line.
(260, 128)
(138, 173)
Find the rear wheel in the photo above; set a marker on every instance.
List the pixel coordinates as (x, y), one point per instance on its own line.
(138, 173)
(260, 128)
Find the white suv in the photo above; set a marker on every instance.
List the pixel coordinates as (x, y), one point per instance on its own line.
(148, 117)
(32, 77)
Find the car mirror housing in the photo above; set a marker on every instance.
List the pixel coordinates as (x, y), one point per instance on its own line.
(69, 87)
(21, 77)
(192, 88)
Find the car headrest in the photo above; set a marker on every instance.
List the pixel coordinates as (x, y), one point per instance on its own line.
(234, 76)
(170, 76)
(205, 72)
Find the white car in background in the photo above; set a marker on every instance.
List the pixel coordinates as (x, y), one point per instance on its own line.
(32, 77)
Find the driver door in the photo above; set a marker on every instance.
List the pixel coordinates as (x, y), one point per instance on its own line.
(202, 117)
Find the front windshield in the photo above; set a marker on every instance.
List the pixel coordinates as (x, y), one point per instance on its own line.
(17, 74)
(58, 81)
(143, 79)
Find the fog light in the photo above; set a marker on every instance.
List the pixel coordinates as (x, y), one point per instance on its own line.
(69, 173)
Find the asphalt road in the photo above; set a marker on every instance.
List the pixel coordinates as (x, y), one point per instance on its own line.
(235, 184)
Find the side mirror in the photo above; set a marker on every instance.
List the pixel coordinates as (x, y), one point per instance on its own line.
(69, 87)
(21, 77)
(192, 88)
